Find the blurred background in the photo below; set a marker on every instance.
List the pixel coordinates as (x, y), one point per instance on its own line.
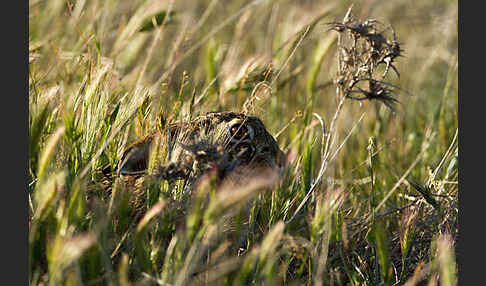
(218, 50)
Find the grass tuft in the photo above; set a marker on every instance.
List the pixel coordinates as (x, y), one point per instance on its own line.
(369, 194)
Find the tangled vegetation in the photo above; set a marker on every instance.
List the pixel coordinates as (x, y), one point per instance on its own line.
(362, 99)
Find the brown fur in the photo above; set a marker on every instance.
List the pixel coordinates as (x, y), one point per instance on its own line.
(205, 143)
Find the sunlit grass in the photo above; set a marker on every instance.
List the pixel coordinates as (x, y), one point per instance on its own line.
(368, 196)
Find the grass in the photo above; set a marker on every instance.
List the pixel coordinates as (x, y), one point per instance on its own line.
(369, 196)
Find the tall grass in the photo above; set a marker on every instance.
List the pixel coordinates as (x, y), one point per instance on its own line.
(368, 197)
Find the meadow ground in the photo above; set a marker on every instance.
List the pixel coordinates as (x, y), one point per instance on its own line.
(370, 192)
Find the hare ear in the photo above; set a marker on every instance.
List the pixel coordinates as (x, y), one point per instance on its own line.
(134, 160)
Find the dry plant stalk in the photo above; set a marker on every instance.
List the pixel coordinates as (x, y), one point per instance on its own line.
(362, 48)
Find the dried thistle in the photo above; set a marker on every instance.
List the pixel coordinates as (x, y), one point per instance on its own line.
(363, 46)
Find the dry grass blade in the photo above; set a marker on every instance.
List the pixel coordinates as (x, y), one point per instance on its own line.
(154, 211)
(425, 146)
(48, 153)
(46, 195)
(321, 231)
(66, 251)
(207, 37)
(446, 155)
(446, 259)
(195, 254)
(103, 74)
(157, 38)
(291, 54)
(229, 196)
(315, 182)
(218, 271)
(126, 115)
(75, 247)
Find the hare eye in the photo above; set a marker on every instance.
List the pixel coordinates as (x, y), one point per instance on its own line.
(239, 131)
